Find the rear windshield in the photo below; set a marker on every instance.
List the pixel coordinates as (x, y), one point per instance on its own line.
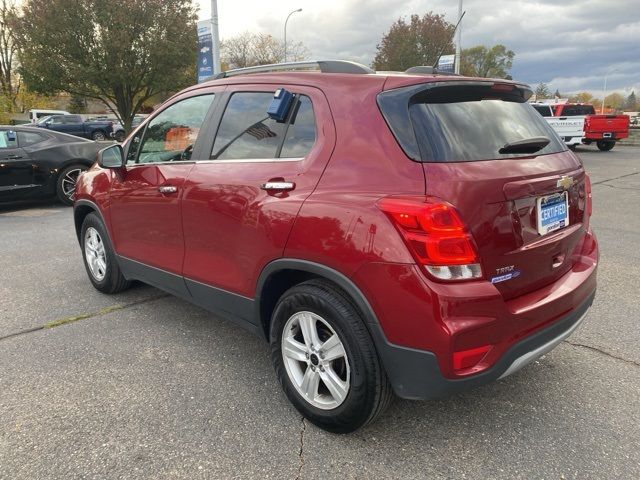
(575, 110)
(467, 123)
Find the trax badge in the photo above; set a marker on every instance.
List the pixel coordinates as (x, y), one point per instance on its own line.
(565, 182)
(505, 273)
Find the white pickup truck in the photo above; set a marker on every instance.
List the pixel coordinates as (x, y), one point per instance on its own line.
(570, 129)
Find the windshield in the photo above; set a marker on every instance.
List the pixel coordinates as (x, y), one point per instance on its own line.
(44, 120)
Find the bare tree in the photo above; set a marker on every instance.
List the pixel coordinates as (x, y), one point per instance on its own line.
(249, 49)
(9, 84)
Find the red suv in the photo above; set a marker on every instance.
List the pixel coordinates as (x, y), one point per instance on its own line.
(414, 234)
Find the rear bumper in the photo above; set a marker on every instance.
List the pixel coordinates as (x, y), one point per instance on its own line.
(415, 374)
(606, 135)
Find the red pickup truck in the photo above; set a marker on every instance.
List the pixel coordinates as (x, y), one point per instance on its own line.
(605, 130)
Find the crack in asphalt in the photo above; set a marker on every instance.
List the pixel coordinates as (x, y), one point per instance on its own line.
(82, 316)
(619, 188)
(615, 178)
(603, 352)
(301, 453)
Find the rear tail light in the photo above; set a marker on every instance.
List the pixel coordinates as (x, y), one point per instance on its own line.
(435, 235)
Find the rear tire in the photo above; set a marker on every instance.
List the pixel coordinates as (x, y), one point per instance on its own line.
(99, 257)
(66, 183)
(346, 387)
(98, 136)
(120, 136)
(605, 146)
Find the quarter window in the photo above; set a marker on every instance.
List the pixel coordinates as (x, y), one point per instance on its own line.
(30, 138)
(246, 131)
(171, 135)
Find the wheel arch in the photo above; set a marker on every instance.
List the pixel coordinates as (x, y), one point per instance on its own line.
(81, 209)
(280, 275)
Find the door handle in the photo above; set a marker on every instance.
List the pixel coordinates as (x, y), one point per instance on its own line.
(13, 157)
(280, 186)
(167, 189)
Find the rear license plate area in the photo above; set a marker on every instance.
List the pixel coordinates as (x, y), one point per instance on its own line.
(552, 212)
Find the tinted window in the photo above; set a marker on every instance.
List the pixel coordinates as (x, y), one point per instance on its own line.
(543, 110)
(57, 119)
(575, 110)
(171, 135)
(246, 131)
(8, 139)
(30, 138)
(465, 123)
(301, 132)
(72, 119)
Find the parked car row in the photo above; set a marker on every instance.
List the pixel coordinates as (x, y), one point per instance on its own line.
(579, 124)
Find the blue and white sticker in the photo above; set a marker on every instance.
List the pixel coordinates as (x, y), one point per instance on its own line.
(507, 276)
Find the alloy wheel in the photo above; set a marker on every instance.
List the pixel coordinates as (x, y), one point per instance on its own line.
(315, 360)
(69, 182)
(95, 254)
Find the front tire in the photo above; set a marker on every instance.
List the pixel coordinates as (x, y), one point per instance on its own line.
(605, 146)
(66, 183)
(99, 257)
(325, 359)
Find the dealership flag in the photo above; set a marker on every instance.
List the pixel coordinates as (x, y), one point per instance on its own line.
(205, 51)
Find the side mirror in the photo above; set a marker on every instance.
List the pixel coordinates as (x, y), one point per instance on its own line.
(111, 157)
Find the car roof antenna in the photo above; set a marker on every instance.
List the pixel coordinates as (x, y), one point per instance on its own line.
(435, 65)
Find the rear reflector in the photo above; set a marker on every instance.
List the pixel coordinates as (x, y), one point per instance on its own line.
(435, 235)
(469, 358)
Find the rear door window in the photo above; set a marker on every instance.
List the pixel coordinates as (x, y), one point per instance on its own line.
(246, 132)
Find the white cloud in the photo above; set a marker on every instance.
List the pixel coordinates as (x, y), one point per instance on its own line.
(573, 41)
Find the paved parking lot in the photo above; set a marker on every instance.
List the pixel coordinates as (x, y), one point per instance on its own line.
(144, 385)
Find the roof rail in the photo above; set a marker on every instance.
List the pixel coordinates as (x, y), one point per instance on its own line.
(427, 70)
(325, 66)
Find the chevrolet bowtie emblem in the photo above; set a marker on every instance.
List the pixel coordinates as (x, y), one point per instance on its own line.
(565, 182)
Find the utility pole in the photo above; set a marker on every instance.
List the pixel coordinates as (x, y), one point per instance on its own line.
(605, 89)
(215, 37)
(458, 40)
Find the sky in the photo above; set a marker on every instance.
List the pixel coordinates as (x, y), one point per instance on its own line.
(569, 44)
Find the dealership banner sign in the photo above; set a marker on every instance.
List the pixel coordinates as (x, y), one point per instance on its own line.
(205, 51)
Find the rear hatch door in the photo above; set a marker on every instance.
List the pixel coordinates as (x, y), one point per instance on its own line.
(524, 208)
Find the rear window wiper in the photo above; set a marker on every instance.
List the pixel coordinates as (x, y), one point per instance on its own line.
(528, 145)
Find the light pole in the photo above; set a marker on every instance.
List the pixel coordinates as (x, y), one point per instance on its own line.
(285, 32)
(215, 37)
(605, 89)
(458, 40)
